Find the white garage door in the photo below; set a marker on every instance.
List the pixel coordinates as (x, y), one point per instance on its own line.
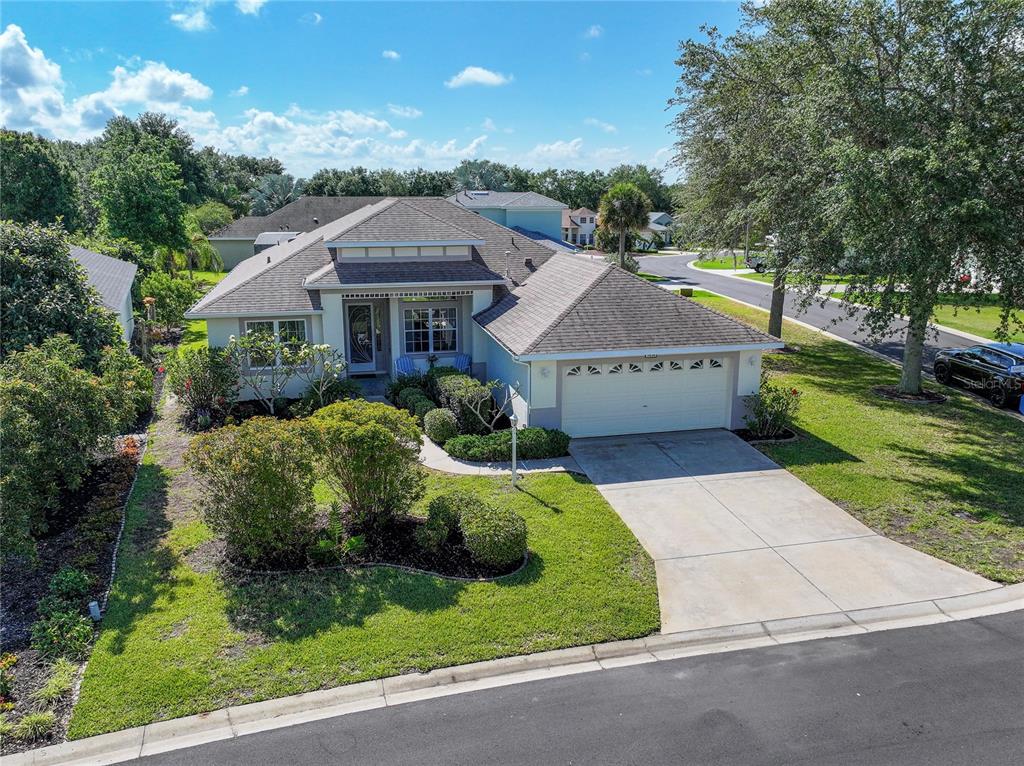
(603, 399)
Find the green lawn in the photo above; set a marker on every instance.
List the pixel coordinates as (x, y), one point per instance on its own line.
(195, 329)
(180, 639)
(945, 479)
(722, 263)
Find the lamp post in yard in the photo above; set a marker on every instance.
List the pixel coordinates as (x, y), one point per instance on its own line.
(515, 428)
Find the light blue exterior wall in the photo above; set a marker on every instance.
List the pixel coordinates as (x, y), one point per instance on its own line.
(496, 214)
(545, 221)
(502, 367)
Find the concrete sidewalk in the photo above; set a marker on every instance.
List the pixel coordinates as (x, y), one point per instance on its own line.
(737, 539)
(436, 458)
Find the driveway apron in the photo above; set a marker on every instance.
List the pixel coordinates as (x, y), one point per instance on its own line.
(735, 538)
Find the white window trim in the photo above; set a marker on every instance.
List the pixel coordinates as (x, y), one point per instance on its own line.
(430, 309)
(277, 337)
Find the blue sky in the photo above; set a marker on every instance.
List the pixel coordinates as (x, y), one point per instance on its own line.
(333, 84)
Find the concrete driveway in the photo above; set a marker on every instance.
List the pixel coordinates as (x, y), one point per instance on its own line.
(736, 539)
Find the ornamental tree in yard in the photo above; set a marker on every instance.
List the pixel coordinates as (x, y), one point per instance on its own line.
(259, 479)
(370, 455)
(44, 292)
(174, 296)
(878, 139)
(624, 208)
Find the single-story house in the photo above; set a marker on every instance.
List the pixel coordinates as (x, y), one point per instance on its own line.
(113, 280)
(526, 210)
(237, 241)
(588, 348)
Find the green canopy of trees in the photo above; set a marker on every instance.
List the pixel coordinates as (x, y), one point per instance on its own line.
(36, 184)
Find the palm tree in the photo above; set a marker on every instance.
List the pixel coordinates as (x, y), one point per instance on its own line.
(624, 208)
(274, 191)
(199, 252)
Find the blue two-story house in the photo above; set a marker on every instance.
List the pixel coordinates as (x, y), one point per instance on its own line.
(523, 211)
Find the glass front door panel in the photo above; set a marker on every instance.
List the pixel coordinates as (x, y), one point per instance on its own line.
(360, 335)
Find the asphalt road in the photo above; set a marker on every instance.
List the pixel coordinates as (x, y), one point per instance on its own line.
(829, 317)
(941, 694)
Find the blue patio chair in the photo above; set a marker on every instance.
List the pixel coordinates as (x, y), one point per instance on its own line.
(462, 363)
(405, 366)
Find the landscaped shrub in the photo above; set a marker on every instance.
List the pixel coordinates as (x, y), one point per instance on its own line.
(258, 479)
(44, 292)
(174, 296)
(495, 537)
(7, 663)
(443, 513)
(35, 726)
(440, 425)
(128, 384)
(205, 380)
(772, 410)
(52, 415)
(434, 376)
(62, 634)
(401, 382)
(315, 399)
(531, 444)
(70, 585)
(465, 396)
(408, 397)
(60, 682)
(422, 408)
(370, 452)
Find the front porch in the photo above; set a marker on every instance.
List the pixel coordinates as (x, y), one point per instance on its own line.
(430, 327)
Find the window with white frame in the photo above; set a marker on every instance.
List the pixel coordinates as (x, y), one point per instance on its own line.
(431, 330)
(290, 332)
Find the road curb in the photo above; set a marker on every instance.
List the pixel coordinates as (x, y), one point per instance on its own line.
(239, 720)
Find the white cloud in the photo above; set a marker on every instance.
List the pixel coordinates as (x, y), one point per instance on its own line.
(32, 93)
(192, 20)
(241, 90)
(250, 7)
(558, 151)
(392, 55)
(488, 125)
(312, 18)
(594, 30)
(409, 112)
(475, 75)
(607, 127)
(608, 155)
(663, 155)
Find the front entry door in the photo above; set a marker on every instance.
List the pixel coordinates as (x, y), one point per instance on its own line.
(361, 354)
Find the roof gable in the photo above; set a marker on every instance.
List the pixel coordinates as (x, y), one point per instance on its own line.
(304, 214)
(573, 305)
(483, 199)
(402, 221)
(111, 277)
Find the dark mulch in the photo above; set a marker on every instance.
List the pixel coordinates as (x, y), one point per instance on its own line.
(749, 436)
(30, 674)
(397, 546)
(894, 394)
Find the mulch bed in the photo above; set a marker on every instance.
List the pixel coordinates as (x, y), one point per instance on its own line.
(894, 394)
(396, 548)
(747, 435)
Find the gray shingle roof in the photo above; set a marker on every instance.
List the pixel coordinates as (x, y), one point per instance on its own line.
(111, 277)
(258, 286)
(343, 273)
(491, 199)
(403, 221)
(295, 216)
(574, 304)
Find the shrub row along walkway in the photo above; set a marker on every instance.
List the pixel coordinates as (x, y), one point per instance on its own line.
(436, 458)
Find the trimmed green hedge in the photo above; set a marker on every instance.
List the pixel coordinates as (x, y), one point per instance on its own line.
(531, 444)
(495, 536)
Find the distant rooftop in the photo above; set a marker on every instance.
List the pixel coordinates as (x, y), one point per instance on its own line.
(475, 199)
(111, 277)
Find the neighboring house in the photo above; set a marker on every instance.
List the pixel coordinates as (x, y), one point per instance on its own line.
(113, 280)
(579, 226)
(551, 243)
(659, 229)
(588, 347)
(526, 210)
(237, 241)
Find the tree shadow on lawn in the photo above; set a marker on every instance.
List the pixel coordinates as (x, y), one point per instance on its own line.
(146, 563)
(290, 607)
